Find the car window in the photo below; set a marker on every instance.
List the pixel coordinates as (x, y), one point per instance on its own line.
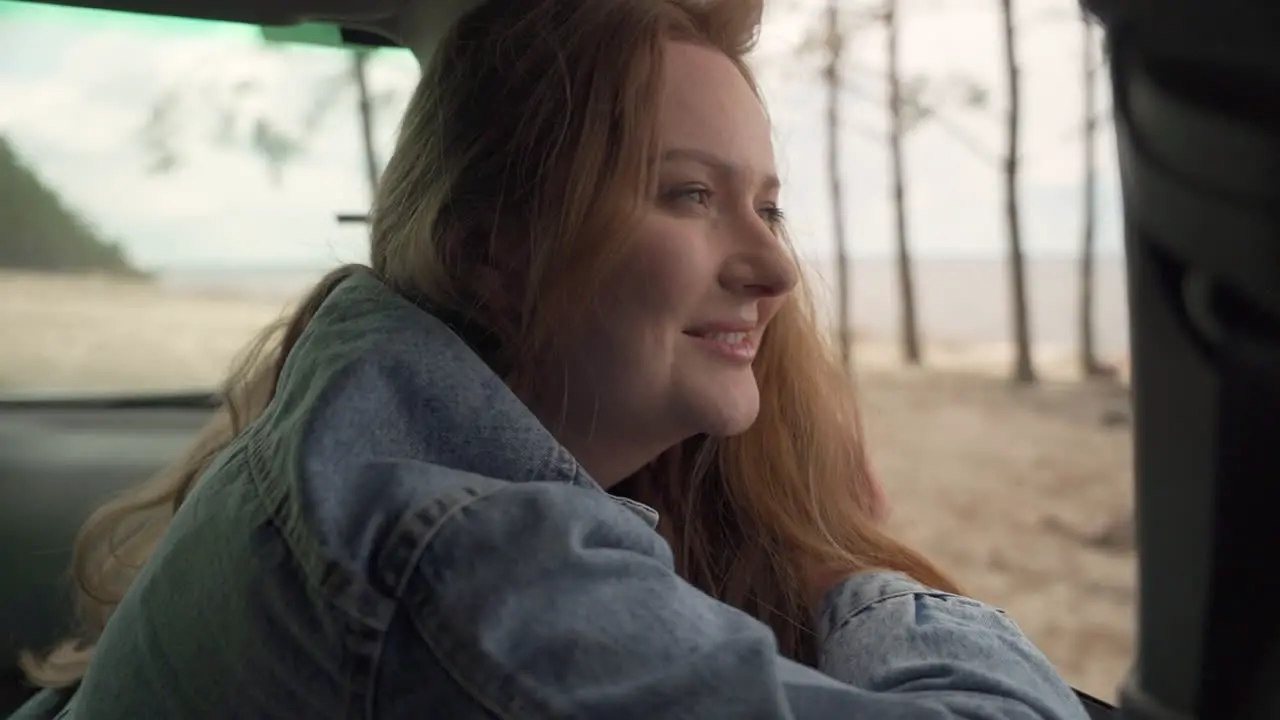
(168, 187)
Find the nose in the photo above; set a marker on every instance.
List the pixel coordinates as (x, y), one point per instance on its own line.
(761, 265)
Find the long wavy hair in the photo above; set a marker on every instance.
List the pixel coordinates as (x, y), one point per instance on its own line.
(536, 120)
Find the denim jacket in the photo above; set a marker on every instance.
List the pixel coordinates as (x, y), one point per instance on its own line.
(398, 537)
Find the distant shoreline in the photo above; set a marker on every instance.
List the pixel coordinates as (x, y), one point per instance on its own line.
(259, 295)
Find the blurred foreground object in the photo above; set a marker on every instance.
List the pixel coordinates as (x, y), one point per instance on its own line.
(1197, 107)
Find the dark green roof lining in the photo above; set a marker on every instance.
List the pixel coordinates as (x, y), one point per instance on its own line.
(325, 34)
(276, 17)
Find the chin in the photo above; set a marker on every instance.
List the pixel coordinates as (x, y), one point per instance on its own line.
(729, 414)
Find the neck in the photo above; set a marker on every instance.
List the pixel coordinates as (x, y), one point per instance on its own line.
(609, 457)
(608, 461)
(609, 448)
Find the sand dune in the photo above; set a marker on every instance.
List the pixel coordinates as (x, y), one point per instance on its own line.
(1016, 492)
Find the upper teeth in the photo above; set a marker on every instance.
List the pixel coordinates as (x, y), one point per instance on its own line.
(728, 337)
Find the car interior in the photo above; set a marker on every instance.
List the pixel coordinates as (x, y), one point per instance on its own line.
(1196, 88)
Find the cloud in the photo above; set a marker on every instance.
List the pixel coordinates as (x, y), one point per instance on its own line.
(76, 98)
(76, 102)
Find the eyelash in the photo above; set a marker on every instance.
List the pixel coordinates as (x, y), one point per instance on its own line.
(771, 213)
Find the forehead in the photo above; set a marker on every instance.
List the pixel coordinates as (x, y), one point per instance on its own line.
(708, 105)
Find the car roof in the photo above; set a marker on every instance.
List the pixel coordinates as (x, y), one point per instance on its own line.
(254, 12)
(418, 25)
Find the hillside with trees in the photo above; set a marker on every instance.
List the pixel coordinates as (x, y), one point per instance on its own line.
(38, 231)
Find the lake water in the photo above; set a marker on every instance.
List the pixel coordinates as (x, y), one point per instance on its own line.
(960, 300)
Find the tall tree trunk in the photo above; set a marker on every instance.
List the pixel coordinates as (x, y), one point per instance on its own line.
(1024, 369)
(1089, 365)
(906, 284)
(834, 37)
(359, 72)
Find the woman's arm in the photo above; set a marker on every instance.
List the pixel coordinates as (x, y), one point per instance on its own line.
(543, 600)
(887, 633)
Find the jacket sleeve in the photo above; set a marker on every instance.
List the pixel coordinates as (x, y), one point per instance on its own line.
(44, 705)
(888, 634)
(546, 600)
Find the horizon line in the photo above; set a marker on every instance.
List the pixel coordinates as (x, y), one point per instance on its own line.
(311, 265)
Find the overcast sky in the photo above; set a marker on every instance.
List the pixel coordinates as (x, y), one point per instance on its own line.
(76, 87)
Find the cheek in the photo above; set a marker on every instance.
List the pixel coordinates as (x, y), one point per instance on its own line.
(666, 271)
(655, 290)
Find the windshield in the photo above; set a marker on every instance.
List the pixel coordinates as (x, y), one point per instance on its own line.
(168, 187)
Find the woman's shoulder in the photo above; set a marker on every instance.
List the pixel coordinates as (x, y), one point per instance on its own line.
(374, 375)
(381, 411)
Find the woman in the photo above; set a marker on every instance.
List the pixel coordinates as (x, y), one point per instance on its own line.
(577, 283)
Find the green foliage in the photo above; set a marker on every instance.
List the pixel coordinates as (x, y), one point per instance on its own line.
(39, 232)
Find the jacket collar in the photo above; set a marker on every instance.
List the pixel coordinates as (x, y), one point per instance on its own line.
(431, 366)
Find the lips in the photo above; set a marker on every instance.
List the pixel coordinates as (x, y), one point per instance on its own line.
(732, 338)
(734, 343)
(711, 329)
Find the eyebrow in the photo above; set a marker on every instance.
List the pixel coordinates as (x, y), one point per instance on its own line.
(717, 164)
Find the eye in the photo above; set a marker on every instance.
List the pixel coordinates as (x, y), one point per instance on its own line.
(696, 194)
(772, 214)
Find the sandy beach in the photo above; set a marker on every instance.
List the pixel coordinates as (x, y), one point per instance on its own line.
(1021, 494)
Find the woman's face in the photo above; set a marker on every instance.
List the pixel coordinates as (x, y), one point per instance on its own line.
(666, 351)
